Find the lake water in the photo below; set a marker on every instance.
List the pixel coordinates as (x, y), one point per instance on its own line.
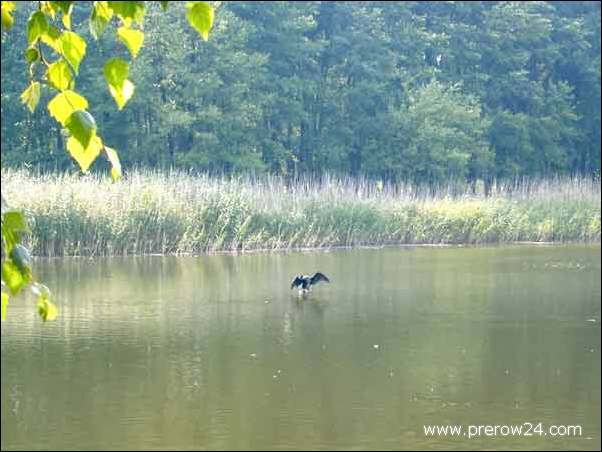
(218, 352)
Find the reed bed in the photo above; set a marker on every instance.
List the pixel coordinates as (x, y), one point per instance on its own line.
(152, 212)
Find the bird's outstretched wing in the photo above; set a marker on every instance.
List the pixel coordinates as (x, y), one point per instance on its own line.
(317, 277)
(296, 282)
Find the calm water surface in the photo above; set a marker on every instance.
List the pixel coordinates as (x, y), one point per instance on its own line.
(218, 352)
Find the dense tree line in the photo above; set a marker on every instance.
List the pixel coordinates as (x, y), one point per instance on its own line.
(419, 91)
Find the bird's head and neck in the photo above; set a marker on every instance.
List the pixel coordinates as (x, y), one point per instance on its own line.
(297, 281)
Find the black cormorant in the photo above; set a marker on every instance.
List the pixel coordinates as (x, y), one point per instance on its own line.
(304, 282)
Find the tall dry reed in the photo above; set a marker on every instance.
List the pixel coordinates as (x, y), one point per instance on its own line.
(152, 212)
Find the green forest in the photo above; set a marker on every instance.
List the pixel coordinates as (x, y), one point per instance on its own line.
(420, 92)
(177, 178)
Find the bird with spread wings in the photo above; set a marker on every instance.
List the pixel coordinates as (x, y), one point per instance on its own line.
(304, 282)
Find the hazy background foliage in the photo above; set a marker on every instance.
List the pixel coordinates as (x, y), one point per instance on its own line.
(414, 91)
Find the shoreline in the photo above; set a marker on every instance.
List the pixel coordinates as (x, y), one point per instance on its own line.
(328, 249)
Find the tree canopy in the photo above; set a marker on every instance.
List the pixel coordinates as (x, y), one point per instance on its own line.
(419, 91)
